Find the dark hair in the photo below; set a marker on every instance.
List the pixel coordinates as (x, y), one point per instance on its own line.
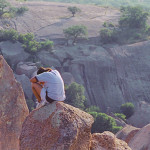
(42, 69)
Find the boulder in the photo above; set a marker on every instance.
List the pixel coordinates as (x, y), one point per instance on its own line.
(127, 133)
(25, 82)
(57, 126)
(47, 59)
(142, 111)
(13, 108)
(107, 141)
(13, 52)
(141, 141)
(27, 68)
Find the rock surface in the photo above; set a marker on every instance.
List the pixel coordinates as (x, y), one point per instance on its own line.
(142, 111)
(26, 85)
(127, 133)
(13, 108)
(141, 141)
(107, 141)
(13, 52)
(56, 126)
(27, 68)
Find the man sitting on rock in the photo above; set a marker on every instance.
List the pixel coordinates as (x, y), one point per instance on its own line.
(47, 86)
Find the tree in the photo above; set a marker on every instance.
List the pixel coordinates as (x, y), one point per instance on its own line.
(75, 95)
(107, 35)
(127, 109)
(75, 32)
(133, 17)
(103, 122)
(74, 10)
(3, 5)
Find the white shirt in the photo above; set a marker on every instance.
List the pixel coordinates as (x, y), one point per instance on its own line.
(54, 84)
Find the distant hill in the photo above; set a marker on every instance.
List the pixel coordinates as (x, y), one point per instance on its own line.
(48, 19)
(113, 3)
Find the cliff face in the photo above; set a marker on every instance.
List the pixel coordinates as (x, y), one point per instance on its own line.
(13, 108)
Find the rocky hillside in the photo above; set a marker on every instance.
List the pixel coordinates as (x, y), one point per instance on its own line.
(48, 19)
(53, 126)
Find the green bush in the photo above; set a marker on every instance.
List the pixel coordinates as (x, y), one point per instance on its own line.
(75, 95)
(127, 109)
(103, 122)
(11, 35)
(47, 45)
(28, 41)
(121, 116)
(74, 10)
(105, 24)
(93, 109)
(74, 32)
(107, 35)
(133, 17)
(21, 10)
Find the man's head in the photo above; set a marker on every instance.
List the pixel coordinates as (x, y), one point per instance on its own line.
(42, 69)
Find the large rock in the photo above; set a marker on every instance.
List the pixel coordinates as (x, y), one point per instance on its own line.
(127, 133)
(13, 52)
(141, 141)
(47, 59)
(142, 111)
(56, 126)
(107, 141)
(13, 108)
(27, 68)
(26, 85)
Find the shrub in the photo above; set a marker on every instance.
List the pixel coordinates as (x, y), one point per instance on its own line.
(21, 10)
(133, 17)
(47, 45)
(75, 95)
(121, 116)
(127, 109)
(105, 24)
(74, 32)
(11, 35)
(107, 35)
(93, 109)
(74, 10)
(103, 122)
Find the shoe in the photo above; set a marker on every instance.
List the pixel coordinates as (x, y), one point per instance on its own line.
(42, 103)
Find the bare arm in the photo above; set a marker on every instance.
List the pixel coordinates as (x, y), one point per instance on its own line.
(33, 80)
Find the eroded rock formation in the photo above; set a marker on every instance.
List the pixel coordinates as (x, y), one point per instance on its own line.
(56, 126)
(127, 133)
(13, 108)
(107, 141)
(141, 139)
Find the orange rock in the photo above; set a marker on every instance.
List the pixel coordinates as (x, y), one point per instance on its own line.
(13, 108)
(56, 126)
(141, 141)
(127, 133)
(107, 141)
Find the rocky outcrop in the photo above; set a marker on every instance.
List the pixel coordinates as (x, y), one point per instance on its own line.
(13, 108)
(27, 68)
(26, 85)
(56, 126)
(127, 133)
(107, 141)
(142, 111)
(13, 52)
(141, 140)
